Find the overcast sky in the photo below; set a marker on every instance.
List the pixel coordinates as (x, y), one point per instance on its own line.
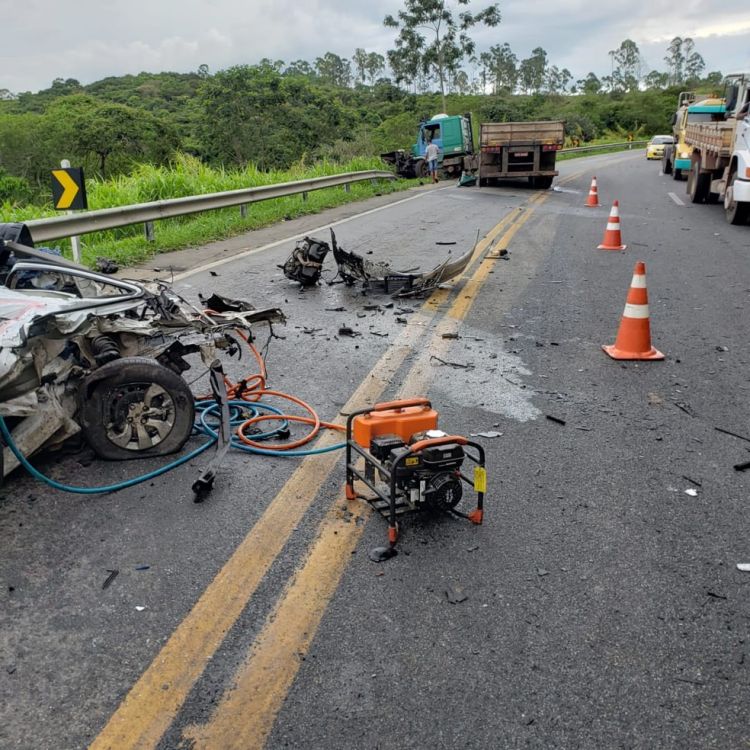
(91, 39)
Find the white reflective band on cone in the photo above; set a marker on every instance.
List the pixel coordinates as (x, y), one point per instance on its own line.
(611, 226)
(635, 311)
(638, 282)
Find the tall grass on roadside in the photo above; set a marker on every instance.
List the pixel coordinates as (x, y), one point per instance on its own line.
(189, 176)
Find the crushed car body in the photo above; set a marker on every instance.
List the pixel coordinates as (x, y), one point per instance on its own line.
(85, 353)
(305, 266)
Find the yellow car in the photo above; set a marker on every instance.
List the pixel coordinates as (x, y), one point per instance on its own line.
(655, 148)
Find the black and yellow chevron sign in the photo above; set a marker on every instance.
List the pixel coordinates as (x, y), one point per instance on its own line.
(68, 188)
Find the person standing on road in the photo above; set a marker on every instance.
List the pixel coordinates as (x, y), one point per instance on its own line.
(431, 155)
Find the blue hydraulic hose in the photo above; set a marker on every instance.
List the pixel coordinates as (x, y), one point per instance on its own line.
(96, 490)
(205, 410)
(208, 408)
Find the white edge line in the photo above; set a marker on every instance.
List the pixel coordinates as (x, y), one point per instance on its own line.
(253, 251)
(676, 199)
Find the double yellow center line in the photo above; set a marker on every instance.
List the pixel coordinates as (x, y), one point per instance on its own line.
(245, 715)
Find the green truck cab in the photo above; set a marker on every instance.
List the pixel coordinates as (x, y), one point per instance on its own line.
(452, 135)
(677, 157)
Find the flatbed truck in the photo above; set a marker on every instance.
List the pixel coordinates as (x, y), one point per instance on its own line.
(720, 158)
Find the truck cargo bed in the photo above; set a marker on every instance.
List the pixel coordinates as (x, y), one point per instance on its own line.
(716, 137)
(499, 134)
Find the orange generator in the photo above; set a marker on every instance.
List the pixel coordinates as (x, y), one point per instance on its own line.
(409, 464)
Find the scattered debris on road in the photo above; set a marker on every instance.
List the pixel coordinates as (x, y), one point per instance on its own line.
(111, 577)
(556, 420)
(455, 595)
(733, 434)
(455, 365)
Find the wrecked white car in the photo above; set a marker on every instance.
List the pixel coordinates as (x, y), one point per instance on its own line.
(81, 352)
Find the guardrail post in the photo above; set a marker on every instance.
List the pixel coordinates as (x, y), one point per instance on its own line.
(243, 210)
(149, 229)
(304, 196)
(347, 188)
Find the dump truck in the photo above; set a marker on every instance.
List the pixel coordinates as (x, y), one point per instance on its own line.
(720, 157)
(507, 150)
(690, 109)
(517, 149)
(452, 135)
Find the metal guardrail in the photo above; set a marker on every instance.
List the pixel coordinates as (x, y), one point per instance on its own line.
(58, 227)
(600, 146)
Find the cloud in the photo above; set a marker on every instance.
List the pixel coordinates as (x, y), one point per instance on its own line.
(92, 39)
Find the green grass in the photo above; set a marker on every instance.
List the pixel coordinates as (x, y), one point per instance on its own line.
(188, 176)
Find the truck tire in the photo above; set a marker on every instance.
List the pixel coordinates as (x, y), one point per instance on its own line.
(737, 213)
(543, 182)
(676, 174)
(420, 169)
(699, 183)
(134, 407)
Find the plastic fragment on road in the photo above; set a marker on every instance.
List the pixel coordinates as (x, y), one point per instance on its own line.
(456, 595)
(744, 567)
(692, 492)
(489, 434)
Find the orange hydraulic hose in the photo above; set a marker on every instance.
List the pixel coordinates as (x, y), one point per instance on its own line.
(253, 387)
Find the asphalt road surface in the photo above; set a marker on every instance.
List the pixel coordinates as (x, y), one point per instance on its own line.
(598, 606)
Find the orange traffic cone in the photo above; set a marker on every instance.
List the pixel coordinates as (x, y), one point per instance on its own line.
(593, 198)
(612, 238)
(634, 337)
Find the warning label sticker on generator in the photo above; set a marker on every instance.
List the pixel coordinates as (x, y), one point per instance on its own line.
(480, 479)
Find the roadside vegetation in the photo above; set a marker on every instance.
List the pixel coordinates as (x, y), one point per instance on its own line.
(187, 175)
(154, 136)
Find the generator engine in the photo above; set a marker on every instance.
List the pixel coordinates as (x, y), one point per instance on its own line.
(429, 479)
(305, 264)
(396, 450)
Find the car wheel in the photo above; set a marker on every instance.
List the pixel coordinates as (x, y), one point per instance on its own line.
(135, 407)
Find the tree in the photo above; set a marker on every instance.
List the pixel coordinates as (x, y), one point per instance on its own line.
(359, 58)
(589, 85)
(502, 67)
(300, 68)
(694, 63)
(374, 66)
(532, 71)
(406, 62)
(334, 70)
(556, 80)
(627, 66)
(460, 82)
(434, 36)
(675, 60)
(657, 80)
(114, 129)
